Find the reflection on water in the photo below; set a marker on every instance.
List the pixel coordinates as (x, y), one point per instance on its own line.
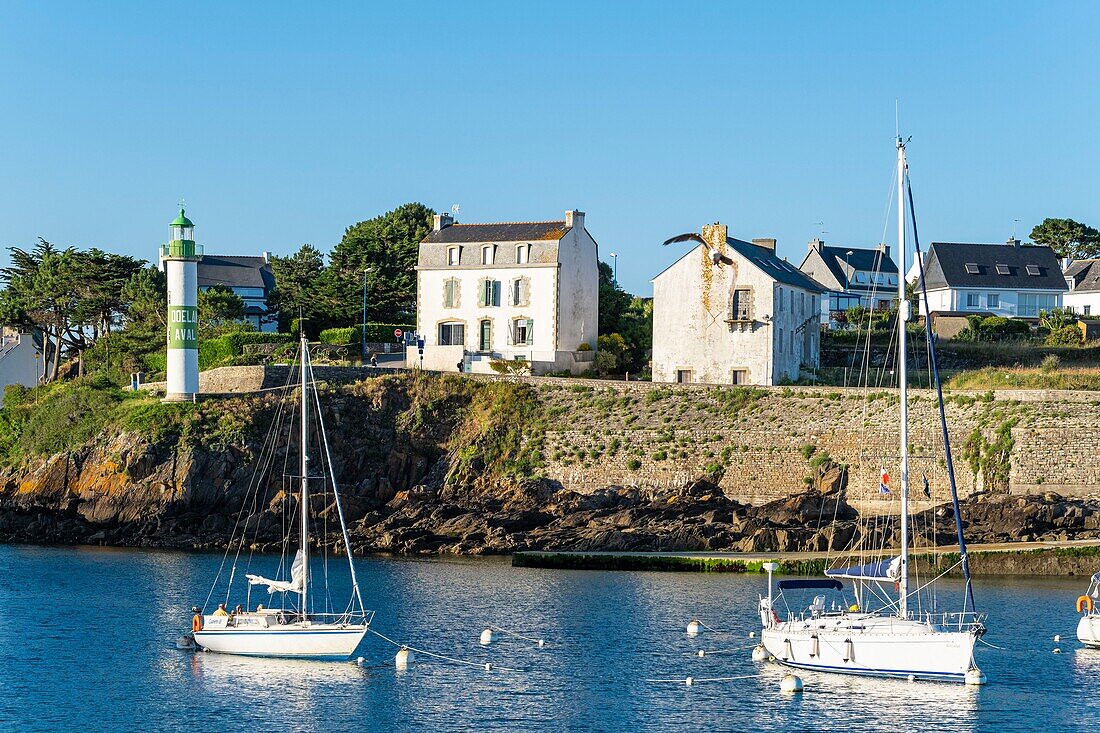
(104, 624)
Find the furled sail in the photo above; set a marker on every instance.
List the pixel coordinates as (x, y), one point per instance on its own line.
(887, 569)
(294, 585)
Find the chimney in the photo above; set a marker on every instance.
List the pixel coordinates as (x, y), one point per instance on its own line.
(816, 244)
(267, 257)
(442, 221)
(1014, 242)
(885, 249)
(765, 243)
(574, 218)
(716, 234)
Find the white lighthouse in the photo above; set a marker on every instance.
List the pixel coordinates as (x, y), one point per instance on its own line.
(181, 260)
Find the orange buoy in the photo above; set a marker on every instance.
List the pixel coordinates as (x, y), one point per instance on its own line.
(1084, 602)
(196, 623)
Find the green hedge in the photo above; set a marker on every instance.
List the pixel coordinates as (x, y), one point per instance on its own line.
(213, 352)
(377, 333)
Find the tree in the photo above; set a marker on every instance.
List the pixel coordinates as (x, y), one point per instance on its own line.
(613, 300)
(1068, 238)
(299, 287)
(613, 354)
(220, 310)
(388, 244)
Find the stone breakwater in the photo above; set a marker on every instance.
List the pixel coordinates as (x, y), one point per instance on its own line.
(456, 465)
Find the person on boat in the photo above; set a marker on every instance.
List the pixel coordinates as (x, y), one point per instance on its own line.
(238, 610)
(221, 610)
(259, 608)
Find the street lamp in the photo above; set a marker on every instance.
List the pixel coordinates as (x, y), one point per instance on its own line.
(847, 277)
(615, 268)
(363, 336)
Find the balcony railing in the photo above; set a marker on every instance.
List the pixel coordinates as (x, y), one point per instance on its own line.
(180, 248)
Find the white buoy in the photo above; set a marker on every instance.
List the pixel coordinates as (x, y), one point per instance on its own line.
(403, 658)
(488, 667)
(791, 683)
(541, 643)
(487, 637)
(700, 653)
(1057, 650)
(1057, 637)
(694, 627)
(358, 661)
(752, 634)
(689, 681)
(911, 678)
(759, 653)
(974, 677)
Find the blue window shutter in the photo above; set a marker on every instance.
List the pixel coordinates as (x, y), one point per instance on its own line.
(530, 331)
(481, 293)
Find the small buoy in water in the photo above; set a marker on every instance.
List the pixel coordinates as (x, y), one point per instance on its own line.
(185, 642)
(689, 681)
(759, 653)
(1057, 637)
(358, 661)
(541, 643)
(974, 677)
(752, 634)
(700, 653)
(487, 637)
(694, 627)
(791, 683)
(488, 667)
(1057, 650)
(404, 658)
(911, 678)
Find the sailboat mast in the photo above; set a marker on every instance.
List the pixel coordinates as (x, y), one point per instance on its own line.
(304, 368)
(903, 385)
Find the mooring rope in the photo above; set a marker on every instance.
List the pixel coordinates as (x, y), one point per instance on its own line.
(531, 639)
(683, 680)
(484, 665)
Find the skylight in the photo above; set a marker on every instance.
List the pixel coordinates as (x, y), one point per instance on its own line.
(1033, 270)
(1002, 269)
(971, 268)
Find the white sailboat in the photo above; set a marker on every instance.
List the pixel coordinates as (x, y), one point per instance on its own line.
(1088, 628)
(892, 640)
(295, 628)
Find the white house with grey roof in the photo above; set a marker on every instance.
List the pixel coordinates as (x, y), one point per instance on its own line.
(525, 291)
(854, 276)
(1011, 280)
(755, 321)
(1083, 281)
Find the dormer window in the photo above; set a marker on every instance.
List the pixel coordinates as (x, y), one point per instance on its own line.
(488, 254)
(523, 254)
(972, 268)
(1003, 269)
(453, 256)
(1033, 270)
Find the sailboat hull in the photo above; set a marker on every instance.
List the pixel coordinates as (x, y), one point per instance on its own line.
(316, 641)
(872, 646)
(1088, 630)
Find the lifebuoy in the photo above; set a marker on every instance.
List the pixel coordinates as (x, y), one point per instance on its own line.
(196, 623)
(1084, 602)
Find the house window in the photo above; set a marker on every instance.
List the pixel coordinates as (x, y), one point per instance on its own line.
(523, 254)
(453, 255)
(861, 277)
(521, 291)
(683, 376)
(1031, 303)
(741, 305)
(1033, 270)
(1086, 310)
(489, 293)
(450, 293)
(1003, 269)
(972, 268)
(993, 300)
(973, 300)
(892, 279)
(452, 334)
(523, 331)
(740, 376)
(485, 335)
(487, 254)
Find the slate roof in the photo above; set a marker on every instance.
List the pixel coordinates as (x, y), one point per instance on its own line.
(779, 270)
(870, 260)
(517, 231)
(235, 272)
(1085, 275)
(945, 267)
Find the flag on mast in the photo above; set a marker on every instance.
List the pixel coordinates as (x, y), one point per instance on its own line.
(884, 483)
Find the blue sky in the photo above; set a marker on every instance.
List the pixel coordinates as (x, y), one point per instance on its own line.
(283, 123)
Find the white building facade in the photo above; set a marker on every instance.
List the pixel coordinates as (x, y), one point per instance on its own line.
(1083, 281)
(755, 321)
(526, 291)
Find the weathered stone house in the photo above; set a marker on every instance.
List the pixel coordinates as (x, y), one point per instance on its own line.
(752, 322)
(512, 291)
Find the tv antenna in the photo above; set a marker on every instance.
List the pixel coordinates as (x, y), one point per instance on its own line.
(455, 208)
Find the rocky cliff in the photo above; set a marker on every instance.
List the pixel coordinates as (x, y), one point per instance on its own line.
(431, 464)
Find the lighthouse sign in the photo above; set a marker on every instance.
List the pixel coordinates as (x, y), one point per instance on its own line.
(183, 327)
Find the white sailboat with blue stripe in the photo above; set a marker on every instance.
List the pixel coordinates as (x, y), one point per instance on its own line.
(296, 626)
(877, 631)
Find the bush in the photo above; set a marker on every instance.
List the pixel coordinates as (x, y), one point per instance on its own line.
(377, 333)
(216, 351)
(1069, 335)
(1050, 363)
(633, 464)
(584, 347)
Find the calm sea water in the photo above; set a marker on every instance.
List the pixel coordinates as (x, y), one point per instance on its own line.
(87, 643)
